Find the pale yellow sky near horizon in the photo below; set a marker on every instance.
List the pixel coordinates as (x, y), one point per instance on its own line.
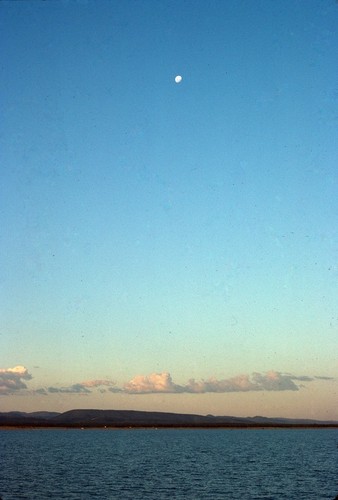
(317, 400)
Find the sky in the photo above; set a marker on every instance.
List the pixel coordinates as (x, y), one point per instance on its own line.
(169, 246)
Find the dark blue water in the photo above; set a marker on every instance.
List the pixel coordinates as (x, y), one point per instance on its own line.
(163, 464)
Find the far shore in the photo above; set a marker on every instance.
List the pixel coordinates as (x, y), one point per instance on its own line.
(165, 427)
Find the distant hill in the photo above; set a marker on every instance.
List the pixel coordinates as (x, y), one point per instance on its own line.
(130, 418)
(22, 418)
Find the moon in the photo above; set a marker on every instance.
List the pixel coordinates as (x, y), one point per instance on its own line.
(178, 79)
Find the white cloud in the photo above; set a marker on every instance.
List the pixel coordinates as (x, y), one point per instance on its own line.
(156, 382)
(11, 379)
(275, 381)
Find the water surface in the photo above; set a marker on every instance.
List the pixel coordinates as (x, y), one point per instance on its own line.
(164, 464)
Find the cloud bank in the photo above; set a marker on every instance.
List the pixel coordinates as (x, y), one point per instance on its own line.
(162, 383)
(12, 382)
(11, 379)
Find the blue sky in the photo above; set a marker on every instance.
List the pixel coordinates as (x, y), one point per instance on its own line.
(154, 227)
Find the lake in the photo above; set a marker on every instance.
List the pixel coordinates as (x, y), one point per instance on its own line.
(169, 463)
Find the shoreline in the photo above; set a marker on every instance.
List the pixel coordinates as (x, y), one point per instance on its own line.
(163, 427)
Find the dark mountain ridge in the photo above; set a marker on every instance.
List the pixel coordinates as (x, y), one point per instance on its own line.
(132, 418)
